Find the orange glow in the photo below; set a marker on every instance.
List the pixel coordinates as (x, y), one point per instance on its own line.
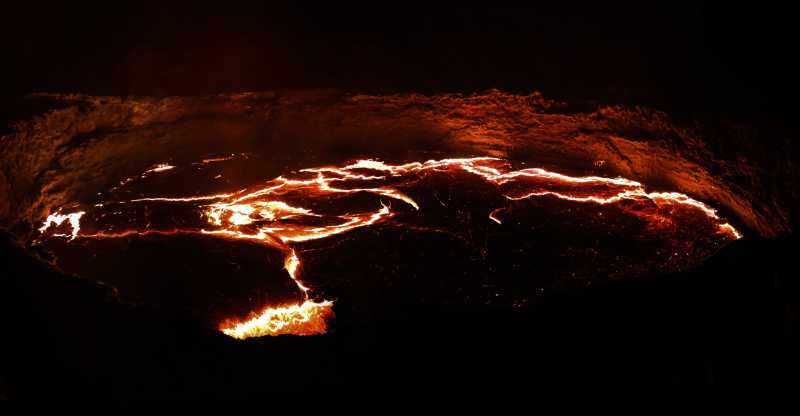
(732, 231)
(273, 215)
(493, 217)
(307, 318)
(161, 167)
(57, 219)
(218, 159)
(183, 199)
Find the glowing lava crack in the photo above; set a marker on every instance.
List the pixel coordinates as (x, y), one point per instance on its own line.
(284, 212)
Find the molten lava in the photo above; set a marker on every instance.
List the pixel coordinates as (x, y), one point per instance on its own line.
(319, 203)
(58, 219)
(307, 318)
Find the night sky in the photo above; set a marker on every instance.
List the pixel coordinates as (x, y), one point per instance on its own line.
(732, 59)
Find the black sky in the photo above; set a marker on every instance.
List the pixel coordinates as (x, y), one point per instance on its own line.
(698, 57)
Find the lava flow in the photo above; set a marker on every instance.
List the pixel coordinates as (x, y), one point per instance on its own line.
(322, 202)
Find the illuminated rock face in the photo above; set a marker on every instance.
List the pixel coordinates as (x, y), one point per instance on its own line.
(96, 141)
(257, 212)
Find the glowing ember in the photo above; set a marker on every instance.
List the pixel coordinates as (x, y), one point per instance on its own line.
(57, 219)
(161, 167)
(729, 228)
(308, 318)
(183, 199)
(286, 211)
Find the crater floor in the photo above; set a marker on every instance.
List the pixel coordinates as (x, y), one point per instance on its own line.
(270, 257)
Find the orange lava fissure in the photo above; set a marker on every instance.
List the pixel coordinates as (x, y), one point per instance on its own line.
(273, 214)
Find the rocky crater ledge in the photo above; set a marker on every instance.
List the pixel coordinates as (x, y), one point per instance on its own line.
(79, 145)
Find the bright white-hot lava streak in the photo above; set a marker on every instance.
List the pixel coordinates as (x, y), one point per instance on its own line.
(306, 318)
(161, 167)
(56, 219)
(271, 215)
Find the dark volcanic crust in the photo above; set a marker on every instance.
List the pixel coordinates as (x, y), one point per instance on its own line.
(89, 143)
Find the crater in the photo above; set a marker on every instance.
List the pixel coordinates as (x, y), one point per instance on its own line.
(269, 213)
